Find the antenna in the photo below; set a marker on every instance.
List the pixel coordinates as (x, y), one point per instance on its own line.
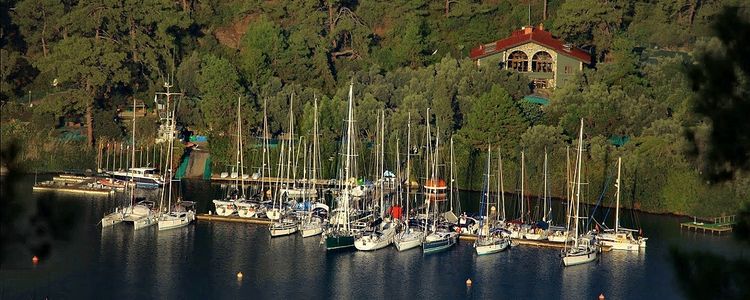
(529, 14)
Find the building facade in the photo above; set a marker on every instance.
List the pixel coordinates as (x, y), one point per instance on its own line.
(547, 61)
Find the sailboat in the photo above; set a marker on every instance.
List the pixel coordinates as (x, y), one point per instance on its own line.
(256, 206)
(383, 230)
(284, 225)
(582, 249)
(560, 234)
(340, 234)
(439, 238)
(312, 224)
(621, 238)
(410, 236)
(141, 214)
(183, 213)
(488, 240)
(540, 230)
(236, 192)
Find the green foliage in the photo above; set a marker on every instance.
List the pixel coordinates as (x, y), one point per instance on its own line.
(220, 87)
(494, 119)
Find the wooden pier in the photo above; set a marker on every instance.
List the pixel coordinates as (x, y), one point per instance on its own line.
(74, 185)
(234, 219)
(720, 225)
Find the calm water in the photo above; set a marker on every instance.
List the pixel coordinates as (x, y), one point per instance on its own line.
(201, 262)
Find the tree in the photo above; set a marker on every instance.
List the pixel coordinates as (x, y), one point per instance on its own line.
(261, 45)
(720, 80)
(219, 85)
(494, 119)
(89, 65)
(38, 21)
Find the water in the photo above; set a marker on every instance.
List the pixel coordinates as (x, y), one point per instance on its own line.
(201, 262)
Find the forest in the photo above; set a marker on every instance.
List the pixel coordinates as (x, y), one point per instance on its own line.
(68, 66)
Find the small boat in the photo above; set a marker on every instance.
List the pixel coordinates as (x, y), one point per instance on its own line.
(582, 249)
(249, 209)
(311, 227)
(183, 215)
(497, 241)
(139, 175)
(284, 227)
(113, 218)
(621, 238)
(378, 238)
(439, 241)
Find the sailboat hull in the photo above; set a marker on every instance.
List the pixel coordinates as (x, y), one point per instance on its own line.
(225, 208)
(144, 222)
(434, 244)
(491, 246)
(334, 242)
(579, 259)
(171, 221)
(283, 229)
(112, 219)
(370, 243)
(409, 240)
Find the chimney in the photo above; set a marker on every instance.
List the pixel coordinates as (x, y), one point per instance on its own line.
(528, 30)
(541, 26)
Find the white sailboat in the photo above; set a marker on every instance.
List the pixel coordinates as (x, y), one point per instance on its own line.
(409, 237)
(340, 235)
(383, 230)
(143, 214)
(621, 238)
(438, 238)
(489, 241)
(582, 249)
(184, 212)
(536, 232)
(236, 192)
(559, 234)
(284, 225)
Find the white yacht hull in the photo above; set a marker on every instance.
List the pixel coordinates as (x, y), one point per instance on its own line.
(491, 247)
(169, 221)
(274, 214)
(309, 229)
(282, 229)
(409, 240)
(112, 219)
(144, 222)
(578, 259)
(224, 208)
(562, 238)
(370, 242)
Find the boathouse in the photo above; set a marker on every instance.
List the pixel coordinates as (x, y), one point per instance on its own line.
(546, 60)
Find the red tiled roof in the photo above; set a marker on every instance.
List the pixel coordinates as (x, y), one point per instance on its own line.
(527, 35)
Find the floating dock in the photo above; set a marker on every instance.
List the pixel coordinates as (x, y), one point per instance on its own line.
(73, 184)
(234, 219)
(720, 225)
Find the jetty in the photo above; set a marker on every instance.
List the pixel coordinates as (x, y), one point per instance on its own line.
(73, 184)
(233, 219)
(720, 225)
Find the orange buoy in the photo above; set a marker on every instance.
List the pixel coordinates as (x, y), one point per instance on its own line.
(468, 282)
(601, 296)
(35, 260)
(239, 275)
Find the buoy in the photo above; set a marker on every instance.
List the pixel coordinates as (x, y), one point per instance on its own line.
(468, 282)
(239, 275)
(35, 260)
(601, 296)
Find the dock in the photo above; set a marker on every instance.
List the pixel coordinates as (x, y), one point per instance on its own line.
(233, 219)
(73, 185)
(720, 225)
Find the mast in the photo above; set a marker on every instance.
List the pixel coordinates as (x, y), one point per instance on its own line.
(523, 212)
(487, 192)
(544, 214)
(239, 162)
(617, 207)
(451, 183)
(347, 164)
(132, 162)
(316, 150)
(266, 159)
(502, 187)
(408, 168)
(578, 182)
(435, 176)
(382, 163)
(428, 178)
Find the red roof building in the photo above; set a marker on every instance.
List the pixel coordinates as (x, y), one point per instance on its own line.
(547, 61)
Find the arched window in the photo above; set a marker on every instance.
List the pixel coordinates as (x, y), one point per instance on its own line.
(518, 61)
(541, 62)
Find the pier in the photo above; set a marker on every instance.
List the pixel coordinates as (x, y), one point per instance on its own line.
(720, 225)
(74, 185)
(233, 219)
